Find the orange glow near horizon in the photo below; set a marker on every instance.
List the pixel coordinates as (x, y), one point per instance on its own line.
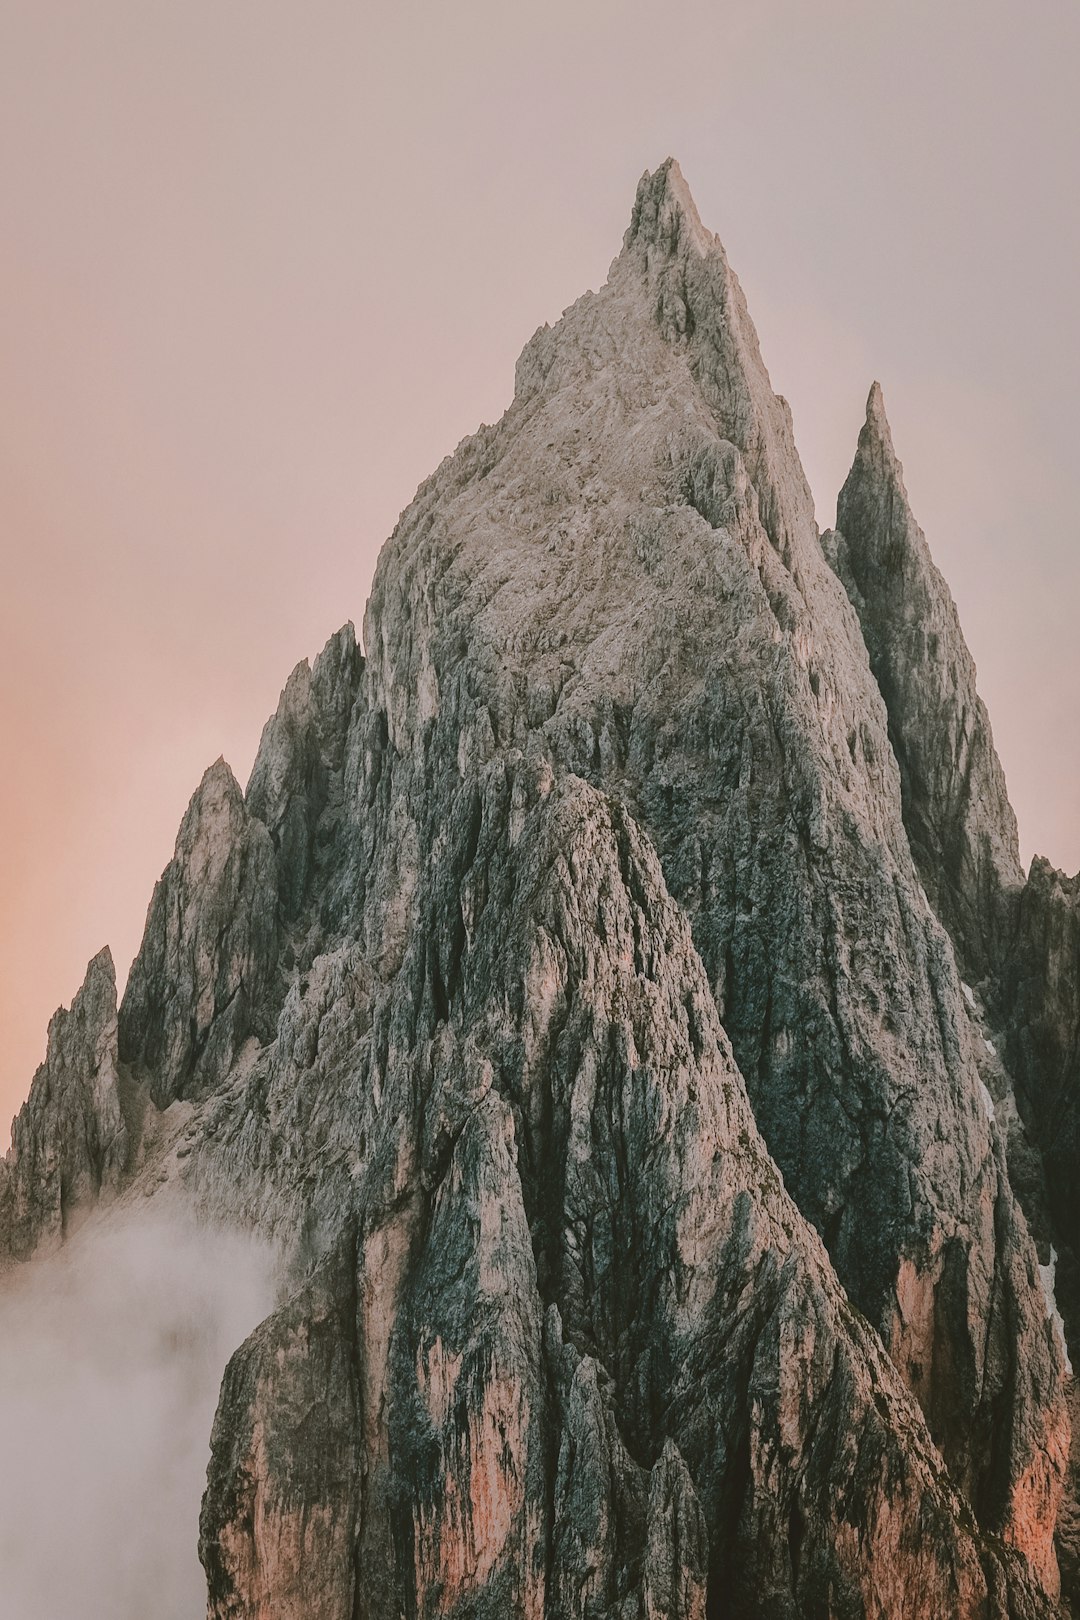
(265, 265)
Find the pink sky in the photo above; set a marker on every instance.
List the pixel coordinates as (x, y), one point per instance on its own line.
(264, 264)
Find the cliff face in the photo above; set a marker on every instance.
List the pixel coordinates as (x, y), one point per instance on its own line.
(1041, 994)
(210, 948)
(1042, 979)
(73, 1137)
(587, 1355)
(566, 992)
(956, 809)
(1020, 941)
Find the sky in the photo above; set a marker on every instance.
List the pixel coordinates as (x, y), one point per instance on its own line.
(264, 264)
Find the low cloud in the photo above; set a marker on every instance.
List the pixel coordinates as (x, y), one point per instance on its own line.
(111, 1355)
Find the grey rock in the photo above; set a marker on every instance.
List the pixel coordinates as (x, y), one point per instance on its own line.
(1040, 995)
(72, 1138)
(956, 806)
(209, 953)
(623, 579)
(295, 788)
(1021, 941)
(285, 1472)
(722, 1420)
(566, 997)
(1042, 981)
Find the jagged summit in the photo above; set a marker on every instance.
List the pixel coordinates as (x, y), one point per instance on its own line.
(956, 806)
(875, 412)
(218, 777)
(876, 434)
(100, 971)
(71, 1139)
(569, 994)
(665, 212)
(876, 453)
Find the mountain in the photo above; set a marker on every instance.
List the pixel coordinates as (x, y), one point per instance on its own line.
(575, 996)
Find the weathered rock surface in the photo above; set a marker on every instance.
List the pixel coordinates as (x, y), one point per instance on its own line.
(956, 806)
(284, 1488)
(1022, 941)
(209, 953)
(295, 788)
(1041, 994)
(722, 1420)
(623, 578)
(566, 995)
(73, 1136)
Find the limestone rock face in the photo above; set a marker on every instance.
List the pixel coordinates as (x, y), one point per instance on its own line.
(209, 952)
(623, 579)
(283, 1497)
(71, 1139)
(1022, 941)
(1043, 992)
(1041, 995)
(956, 807)
(566, 998)
(295, 785)
(700, 1376)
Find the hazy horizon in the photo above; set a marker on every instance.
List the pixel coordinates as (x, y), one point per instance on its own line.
(265, 268)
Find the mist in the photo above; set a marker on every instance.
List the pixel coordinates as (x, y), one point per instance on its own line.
(111, 1356)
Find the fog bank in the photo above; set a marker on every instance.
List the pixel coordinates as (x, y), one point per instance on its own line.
(111, 1355)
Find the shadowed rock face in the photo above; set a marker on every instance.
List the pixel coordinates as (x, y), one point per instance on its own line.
(718, 1416)
(210, 947)
(295, 786)
(566, 994)
(956, 808)
(71, 1139)
(1043, 986)
(1041, 994)
(1022, 941)
(283, 1498)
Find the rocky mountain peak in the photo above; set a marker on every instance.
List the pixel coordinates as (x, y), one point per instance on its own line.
(877, 423)
(96, 998)
(623, 581)
(88, 1024)
(665, 215)
(876, 461)
(211, 819)
(70, 1139)
(956, 806)
(570, 996)
(209, 949)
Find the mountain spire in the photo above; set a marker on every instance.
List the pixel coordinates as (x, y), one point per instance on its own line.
(665, 213)
(70, 1141)
(956, 806)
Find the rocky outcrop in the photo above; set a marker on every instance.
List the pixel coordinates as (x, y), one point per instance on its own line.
(1020, 940)
(700, 1377)
(209, 954)
(565, 995)
(72, 1137)
(623, 579)
(1043, 993)
(283, 1497)
(956, 807)
(295, 788)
